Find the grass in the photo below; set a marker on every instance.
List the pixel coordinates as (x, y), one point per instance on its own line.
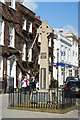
(48, 109)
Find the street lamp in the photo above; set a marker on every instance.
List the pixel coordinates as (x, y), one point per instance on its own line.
(57, 73)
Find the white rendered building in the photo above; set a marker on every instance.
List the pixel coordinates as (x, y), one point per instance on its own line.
(67, 58)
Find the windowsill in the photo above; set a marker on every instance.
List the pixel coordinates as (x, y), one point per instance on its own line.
(12, 8)
(3, 2)
(11, 47)
(21, 3)
(2, 45)
(23, 60)
(23, 29)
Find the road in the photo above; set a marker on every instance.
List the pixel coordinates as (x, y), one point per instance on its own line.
(7, 113)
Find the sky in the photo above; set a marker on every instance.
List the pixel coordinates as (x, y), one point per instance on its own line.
(58, 14)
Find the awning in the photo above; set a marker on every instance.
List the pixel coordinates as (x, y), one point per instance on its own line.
(62, 65)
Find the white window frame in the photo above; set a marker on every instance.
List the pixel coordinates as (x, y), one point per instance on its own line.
(11, 36)
(3, 1)
(11, 69)
(29, 54)
(23, 24)
(69, 56)
(21, 2)
(30, 26)
(49, 42)
(12, 4)
(39, 58)
(49, 60)
(62, 56)
(39, 38)
(24, 52)
(66, 54)
(2, 32)
(1, 68)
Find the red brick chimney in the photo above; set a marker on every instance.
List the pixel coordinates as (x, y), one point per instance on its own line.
(38, 17)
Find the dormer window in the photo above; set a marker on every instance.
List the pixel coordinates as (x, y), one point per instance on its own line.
(23, 24)
(30, 26)
(12, 4)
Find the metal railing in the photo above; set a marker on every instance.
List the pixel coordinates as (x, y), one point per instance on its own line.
(39, 100)
(6, 84)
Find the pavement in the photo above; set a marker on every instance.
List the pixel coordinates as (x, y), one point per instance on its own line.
(7, 113)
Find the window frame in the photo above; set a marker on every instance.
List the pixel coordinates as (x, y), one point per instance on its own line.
(24, 52)
(1, 68)
(2, 32)
(13, 4)
(12, 35)
(30, 26)
(23, 24)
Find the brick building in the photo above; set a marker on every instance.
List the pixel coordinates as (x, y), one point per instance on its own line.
(19, 48)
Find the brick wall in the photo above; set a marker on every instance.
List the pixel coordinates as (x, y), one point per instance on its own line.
(14, 17)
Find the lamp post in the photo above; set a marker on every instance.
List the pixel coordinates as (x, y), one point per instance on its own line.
(57, 73)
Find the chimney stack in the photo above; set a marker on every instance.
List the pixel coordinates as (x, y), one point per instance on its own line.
(61, 30)
(38, 17)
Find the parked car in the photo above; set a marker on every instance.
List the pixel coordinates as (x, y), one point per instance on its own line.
(72, 88)
(71, 78)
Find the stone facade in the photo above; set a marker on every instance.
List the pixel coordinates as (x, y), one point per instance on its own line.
(46, 55)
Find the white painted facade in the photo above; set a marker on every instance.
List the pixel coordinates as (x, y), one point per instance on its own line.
(74, 54)
(67, 62)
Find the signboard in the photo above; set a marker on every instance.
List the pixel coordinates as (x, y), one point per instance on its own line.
(63, 53)
(43, 78)
(43, 55)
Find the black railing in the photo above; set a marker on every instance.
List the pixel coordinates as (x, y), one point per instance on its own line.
(42, 100)
(6, 84)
